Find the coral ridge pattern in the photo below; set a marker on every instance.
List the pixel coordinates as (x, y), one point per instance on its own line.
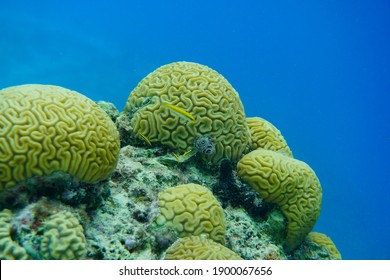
(180, 174)
(201, 92)
(44, 129)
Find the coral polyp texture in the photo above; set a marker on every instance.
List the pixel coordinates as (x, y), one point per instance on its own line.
(181, 101)
(266, 136)
(63, 238)
(9, 249)
(289, 183)
(159, 183)
(44, 129)
(198, 248)
(324, 241)
(191, 209)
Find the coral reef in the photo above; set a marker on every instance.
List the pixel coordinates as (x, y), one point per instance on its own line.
(110, 109)
(199, 248)
(42, 230)
(123, 226)
(249, 236)
(191, 209)
(231, 192)
(266, 136)
(317, 246)
(288, 182)
(9, 249)
(172, 178)
(181, 101)
(63, 238)
(45, 129)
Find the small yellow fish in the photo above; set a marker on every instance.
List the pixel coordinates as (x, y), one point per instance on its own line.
(181, 158)
(180, 112)
(140, 198)
(145, 138)
(186, 153)
(177, 157)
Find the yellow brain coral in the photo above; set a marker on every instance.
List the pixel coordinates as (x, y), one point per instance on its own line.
(267, 136)
(63, 238)
(325, 241)
(288, 182)
(197, 248)
(44, 129)
(181, 101)
(9, 249)
(192, 209)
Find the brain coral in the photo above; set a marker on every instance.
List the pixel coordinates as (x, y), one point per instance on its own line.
(205, 103)
(192, 209)
(49, 128)
(198, 248)
(266, 136)
(323, 240)
(9, 249)
(288, 182)
(63, 238)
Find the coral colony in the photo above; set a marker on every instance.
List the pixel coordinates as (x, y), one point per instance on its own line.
(180, 173)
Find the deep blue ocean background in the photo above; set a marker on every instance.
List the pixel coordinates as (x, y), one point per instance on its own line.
(318, 70)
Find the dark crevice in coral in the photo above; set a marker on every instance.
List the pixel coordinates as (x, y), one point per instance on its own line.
(141, 216)
(162, 239)
(231, 192)
(57, 186)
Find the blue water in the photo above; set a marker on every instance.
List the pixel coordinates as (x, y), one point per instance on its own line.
(318, 70)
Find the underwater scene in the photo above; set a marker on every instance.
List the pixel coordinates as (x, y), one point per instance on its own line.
(186, 130)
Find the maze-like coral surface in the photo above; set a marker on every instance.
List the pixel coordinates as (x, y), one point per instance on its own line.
(203, 93)
(63, 238)
(325, 241)
(288, 182)
(266, 136)
(9, 249)
(192, 209)
(197, 248)
(44, 129)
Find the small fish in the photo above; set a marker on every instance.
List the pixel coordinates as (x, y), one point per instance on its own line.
(181, 158)
(177, 157)
(145, 138)
(140, 198)
(180, 112)
(186, 153)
